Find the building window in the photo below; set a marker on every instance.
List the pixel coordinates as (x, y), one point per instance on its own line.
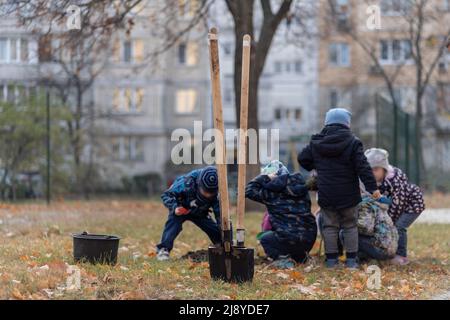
(339, 98)
(3, 49)
(298, 66)
(278, 114)
(188, 7)
(278, 67)
(228, 95)
(288, 114)
(16, 93)
(138, 50)
(227, 48)
(339, 54)
(182, 53)
(186, 99)
(128, 100)
(342, 11)
(11, 93)
(128, 148)
(395, 7)
(334, 99)
(14, 50)
(188, 54)
(446, 5)
(24, 56)
(45, 49)
(129, 51)
(395, 51)
(288, 66)
(2, 93)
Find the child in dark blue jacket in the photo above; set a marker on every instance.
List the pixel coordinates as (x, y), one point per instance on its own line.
(338, 157)
(190, 198)
(286, 197)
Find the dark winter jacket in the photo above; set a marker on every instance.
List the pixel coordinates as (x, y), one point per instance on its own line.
(184, 193)
(338, 156)
(406, 197)
(288, 204)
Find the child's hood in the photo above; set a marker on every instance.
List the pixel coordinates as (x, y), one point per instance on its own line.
(332, 141)
(290, 184)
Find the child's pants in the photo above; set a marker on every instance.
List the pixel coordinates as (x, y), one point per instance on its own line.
(274, 248)
(333, 222)
(174, 225)
(403, 223)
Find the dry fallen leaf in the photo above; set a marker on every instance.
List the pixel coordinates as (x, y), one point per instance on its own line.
(17, 295)
(304, 290)
(282, 275)
(296, 275)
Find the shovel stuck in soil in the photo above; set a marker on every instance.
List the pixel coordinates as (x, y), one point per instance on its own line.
(228, 262)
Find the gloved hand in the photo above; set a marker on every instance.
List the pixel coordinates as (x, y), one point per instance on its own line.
(311, 183)
(385, 200)
(376, 194)
(181, 211)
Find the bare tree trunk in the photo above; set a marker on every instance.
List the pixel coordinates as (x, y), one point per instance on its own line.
(242, 12)
(419, 158)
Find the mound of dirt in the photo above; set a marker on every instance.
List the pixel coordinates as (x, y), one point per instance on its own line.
(196, 256)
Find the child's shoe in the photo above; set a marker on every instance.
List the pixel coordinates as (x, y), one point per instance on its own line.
(351, 263)
(331, 263)
(163, 255)
(399, 261)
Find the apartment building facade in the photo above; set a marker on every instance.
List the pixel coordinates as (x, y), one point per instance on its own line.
(138, 102)
(150, 97)
(140, 99)
(288, 90)
(349, 77)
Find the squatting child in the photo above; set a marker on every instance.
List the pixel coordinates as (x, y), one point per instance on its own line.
(190, 198)
(293, 227)
(407, 198)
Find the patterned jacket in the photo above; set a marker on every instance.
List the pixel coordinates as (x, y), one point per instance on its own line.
(406, 197)
(184, 192)
(288, 204)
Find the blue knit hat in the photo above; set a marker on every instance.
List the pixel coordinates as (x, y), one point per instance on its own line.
(208, 180)
(338, 116)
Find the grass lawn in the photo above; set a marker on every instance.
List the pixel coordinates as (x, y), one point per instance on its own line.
(36, 248)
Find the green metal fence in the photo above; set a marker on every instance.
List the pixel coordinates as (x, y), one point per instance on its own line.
(396, 132)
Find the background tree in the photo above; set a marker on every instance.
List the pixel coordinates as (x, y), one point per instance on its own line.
(23, 132)
(102, 19)
(420, 23)
(72, 59)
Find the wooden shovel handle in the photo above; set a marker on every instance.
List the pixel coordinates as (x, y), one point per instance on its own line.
(218, 124)
(242, 156)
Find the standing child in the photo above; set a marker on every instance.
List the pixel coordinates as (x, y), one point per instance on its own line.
(338, 157)
(407, 198)
(190, 198)
(293, 227)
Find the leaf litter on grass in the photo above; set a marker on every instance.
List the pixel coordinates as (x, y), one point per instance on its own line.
(186, 276)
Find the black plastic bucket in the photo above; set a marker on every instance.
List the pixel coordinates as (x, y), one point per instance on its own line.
(95, 248)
